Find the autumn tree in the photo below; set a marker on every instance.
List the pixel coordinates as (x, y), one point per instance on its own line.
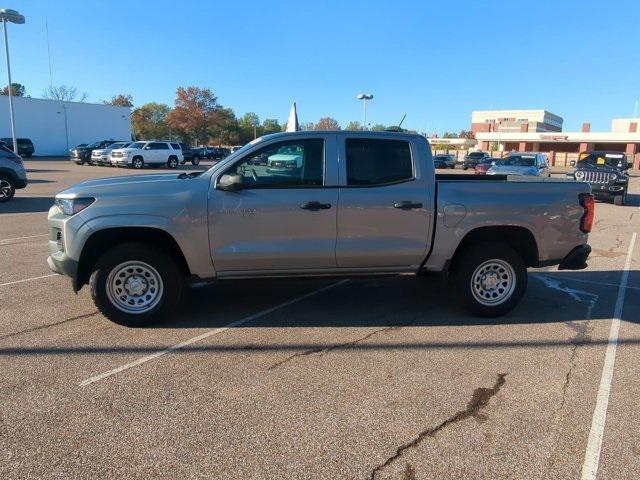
(120, 100)
(227, 131)
(353, 126)
(327, 123)
(149, 121)
(17, 90)
(64, 93)
(196, 113)
(467, 134)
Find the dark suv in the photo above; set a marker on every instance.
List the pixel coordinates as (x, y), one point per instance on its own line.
(606, 172)
(473, 158)
(25, 146)
(82, 155)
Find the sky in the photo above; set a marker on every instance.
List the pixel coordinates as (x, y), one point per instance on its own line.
(433, 61)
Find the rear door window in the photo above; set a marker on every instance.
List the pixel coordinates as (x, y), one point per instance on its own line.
(158, 146)
(175, 146)
(377, 161)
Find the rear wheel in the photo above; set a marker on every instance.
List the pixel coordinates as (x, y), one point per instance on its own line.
(195, 160)
(172, 162)
(137, 163)
(135, 284)
(7, 188)
(491, 279)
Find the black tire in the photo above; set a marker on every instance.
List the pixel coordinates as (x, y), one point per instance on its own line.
(171, 275)
(172, 163)
(195, 161)
(467, 266)
(7, 188)
(618, 200)
(137, 162)
(464, 168)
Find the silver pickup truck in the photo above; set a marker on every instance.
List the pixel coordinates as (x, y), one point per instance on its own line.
(307, 204)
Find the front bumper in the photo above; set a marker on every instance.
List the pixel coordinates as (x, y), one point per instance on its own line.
(121, 161)
(21, 183)
(608, 188)
(576, 259)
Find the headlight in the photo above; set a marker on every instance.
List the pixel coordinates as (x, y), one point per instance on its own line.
(71, 206)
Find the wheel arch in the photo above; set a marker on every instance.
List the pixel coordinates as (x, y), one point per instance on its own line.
(519, 238)
(102, 240)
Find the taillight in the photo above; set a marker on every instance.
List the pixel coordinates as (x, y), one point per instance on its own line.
(586, 222)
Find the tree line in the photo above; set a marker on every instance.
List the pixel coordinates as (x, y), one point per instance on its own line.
(198, 118)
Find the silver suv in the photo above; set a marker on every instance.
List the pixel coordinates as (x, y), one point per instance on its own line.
(12, 174)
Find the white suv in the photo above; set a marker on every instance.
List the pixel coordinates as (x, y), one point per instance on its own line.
(139, 154)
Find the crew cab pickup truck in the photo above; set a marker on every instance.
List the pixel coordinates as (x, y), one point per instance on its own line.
(360, 203)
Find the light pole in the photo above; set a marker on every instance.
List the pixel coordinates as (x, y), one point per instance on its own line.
(8, 15)
(364, 97)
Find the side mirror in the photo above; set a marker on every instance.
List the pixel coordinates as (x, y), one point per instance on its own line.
(229, 183)
(147, 148)
(572, 163)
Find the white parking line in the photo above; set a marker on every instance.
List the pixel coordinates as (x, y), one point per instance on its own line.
(29, 279)
(594, 444)
(208, 334)
(2, 240)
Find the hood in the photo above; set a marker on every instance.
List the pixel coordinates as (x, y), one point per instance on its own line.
(124, 183)
(509, 170)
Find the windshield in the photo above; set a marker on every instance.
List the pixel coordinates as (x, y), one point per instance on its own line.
(614, 160)
(476, 155)
(118, 145)
(95, 145)
(518, 161)
(136, 145)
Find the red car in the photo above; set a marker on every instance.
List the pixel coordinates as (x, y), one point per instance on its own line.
(484, 165)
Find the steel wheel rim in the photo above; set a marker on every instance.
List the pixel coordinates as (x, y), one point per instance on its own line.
(134, 287)
(5, 189)
(493, 282)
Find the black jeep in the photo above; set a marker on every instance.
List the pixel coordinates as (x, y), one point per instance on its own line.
(606, 172)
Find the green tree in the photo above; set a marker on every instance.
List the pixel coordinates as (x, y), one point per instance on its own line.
(353, 126)
(227, 130)
(17, 90)
(249, 126)
(120, 100)
(271, 125)
(307, 126)
(327, 123)
(149, 121)
(378, 127)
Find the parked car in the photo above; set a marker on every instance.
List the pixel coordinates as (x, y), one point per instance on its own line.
(235, 148)
(190, 154)
(13, 176)
(25, 146)
(521, 163)
(82, 155)
(101, 156)
(444, 161)
(473, 158)
(606, 172)
(139, 154)
(484, 165)
(371, 208)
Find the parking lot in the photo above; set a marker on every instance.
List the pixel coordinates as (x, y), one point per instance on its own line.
(364, 379)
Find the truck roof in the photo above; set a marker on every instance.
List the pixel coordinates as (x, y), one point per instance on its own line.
(359, 133)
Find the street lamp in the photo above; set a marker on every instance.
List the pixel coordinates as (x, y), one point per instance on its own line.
(8, 15)
(364, 97)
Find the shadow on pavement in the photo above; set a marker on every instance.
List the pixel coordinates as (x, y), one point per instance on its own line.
(26, 205)
(403, 301)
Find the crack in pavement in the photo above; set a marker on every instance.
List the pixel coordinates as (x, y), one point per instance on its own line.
(326, 349)
(42, 327)
(479, 400)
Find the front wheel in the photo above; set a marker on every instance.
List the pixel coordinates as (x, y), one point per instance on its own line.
(172, 163)
(491, 279)
(136, 285)
(7, 189)
(137, 163)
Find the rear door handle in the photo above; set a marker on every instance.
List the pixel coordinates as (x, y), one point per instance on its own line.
(407, 205)
(314, 206)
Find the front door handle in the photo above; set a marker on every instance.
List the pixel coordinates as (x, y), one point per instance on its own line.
(315, 206)
(406, 205)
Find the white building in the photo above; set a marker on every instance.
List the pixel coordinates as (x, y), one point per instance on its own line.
(55, 126)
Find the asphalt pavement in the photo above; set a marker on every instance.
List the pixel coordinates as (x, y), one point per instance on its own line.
(320, 379)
